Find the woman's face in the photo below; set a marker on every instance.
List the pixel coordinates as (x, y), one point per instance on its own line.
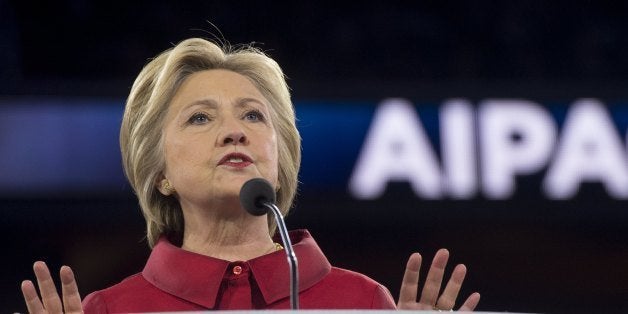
(218, 134)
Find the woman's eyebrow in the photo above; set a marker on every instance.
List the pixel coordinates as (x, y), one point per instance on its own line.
(241, 102)
(206, 102)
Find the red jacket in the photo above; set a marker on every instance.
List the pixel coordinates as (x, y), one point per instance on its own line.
(177, 280)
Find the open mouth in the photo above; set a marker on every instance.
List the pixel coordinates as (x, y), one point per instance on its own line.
(237, 160)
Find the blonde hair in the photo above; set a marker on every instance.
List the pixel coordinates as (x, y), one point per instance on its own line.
(141, 130)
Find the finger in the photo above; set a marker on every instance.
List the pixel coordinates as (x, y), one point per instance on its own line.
(410, 282)
(69, 289)
(447, 300)
(471, 302)
(47, 289)
(434, 278)
(33, 304)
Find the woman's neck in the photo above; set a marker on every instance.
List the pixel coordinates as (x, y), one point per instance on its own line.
(234, 237)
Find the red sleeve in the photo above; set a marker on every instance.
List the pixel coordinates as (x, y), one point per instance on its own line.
(382, 299)
(94, 304)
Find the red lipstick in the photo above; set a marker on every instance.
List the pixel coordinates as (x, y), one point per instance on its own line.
(236, 160)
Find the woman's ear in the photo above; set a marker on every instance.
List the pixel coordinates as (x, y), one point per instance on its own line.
(164, 186)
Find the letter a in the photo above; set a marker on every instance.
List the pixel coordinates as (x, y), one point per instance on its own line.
(396, 149)
(590, 150)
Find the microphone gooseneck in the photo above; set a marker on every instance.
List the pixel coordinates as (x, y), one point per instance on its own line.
(257, 196)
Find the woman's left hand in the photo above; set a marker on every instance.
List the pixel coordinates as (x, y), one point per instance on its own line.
(430, 299)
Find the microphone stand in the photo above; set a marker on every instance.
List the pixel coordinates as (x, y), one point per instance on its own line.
(292, 258)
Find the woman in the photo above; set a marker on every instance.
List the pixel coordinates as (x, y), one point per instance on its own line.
(199, 122)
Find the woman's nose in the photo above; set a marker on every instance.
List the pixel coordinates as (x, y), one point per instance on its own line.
(234, 138)
(232, 131)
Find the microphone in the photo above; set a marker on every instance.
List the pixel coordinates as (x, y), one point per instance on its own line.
(257, 196)
(254, 194)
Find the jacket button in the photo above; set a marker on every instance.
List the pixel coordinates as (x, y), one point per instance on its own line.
(237, 270)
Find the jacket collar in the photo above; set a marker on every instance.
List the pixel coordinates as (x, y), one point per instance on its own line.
(197, 278)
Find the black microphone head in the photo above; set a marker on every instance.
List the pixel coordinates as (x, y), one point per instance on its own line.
(254, 193)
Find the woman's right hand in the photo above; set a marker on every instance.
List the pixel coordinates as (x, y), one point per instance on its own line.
(50, 301)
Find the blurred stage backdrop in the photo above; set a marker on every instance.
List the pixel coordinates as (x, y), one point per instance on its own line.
(497, 130)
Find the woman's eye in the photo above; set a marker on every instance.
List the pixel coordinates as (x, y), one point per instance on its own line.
(254, 115)
(198, 118)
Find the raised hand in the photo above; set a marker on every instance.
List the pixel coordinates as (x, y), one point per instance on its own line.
(430, 299)
(50, 301)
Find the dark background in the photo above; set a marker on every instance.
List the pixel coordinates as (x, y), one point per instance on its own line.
(524, 254)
